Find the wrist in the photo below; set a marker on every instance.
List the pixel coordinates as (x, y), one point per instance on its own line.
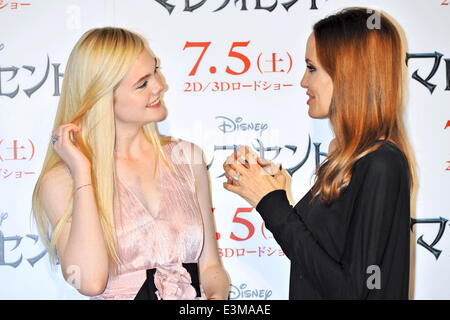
(268, 195)
(81, 177)
(82, 186)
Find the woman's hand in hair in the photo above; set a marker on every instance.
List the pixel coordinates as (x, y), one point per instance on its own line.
(256, 177)
(69, 152)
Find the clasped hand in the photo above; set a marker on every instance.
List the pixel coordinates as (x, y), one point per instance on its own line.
(252, 177)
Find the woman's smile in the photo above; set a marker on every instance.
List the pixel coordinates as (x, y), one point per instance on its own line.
(154, 104)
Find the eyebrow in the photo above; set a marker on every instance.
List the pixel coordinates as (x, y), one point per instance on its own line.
(142, 78)
(147, 75)
(308, 61)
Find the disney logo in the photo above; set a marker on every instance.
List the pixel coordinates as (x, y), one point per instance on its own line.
(228, 125)
(3, 217)
(244, 293)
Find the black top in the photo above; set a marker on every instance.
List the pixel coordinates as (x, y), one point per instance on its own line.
(356, 248)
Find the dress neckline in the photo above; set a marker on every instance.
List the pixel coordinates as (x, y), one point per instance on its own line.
(141, 204)
(157, 212)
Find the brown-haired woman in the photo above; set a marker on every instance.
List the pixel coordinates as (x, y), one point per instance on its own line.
(348, 237)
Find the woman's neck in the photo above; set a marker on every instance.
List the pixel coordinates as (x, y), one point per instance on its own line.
(132, 145)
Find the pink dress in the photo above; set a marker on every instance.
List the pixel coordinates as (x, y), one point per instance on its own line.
(164, 239)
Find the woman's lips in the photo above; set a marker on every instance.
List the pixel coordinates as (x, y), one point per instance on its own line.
(155, 105)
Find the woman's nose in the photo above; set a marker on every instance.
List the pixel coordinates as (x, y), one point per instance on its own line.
(159, 85)
(304, 82)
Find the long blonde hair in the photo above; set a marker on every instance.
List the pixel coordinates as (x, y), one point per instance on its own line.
(368, 70)
(97, 63)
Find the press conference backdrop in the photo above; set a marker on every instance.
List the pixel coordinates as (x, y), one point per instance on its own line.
(233, 70)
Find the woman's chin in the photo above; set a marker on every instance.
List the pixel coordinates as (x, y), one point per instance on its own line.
(316, 115)
(162, 115)
(312, 114)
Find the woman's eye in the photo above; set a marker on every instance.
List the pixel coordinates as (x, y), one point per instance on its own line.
(311, 68)
(143, 85)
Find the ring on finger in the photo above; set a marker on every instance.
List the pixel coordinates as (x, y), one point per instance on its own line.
(54, 138)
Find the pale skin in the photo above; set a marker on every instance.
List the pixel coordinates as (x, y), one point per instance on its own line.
(81, 243)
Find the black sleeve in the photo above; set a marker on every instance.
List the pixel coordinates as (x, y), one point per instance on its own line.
(367, 236)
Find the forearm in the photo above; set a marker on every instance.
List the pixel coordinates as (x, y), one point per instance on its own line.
(215, 282)
(332, 278)
(85, 249)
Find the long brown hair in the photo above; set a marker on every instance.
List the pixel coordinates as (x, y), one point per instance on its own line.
(368, 70)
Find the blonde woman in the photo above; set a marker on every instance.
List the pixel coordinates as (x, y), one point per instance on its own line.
(124, 209)
(348, 237)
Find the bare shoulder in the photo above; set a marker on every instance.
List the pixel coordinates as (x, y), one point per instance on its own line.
(56, 191)
(189, 152)
(195, 157)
